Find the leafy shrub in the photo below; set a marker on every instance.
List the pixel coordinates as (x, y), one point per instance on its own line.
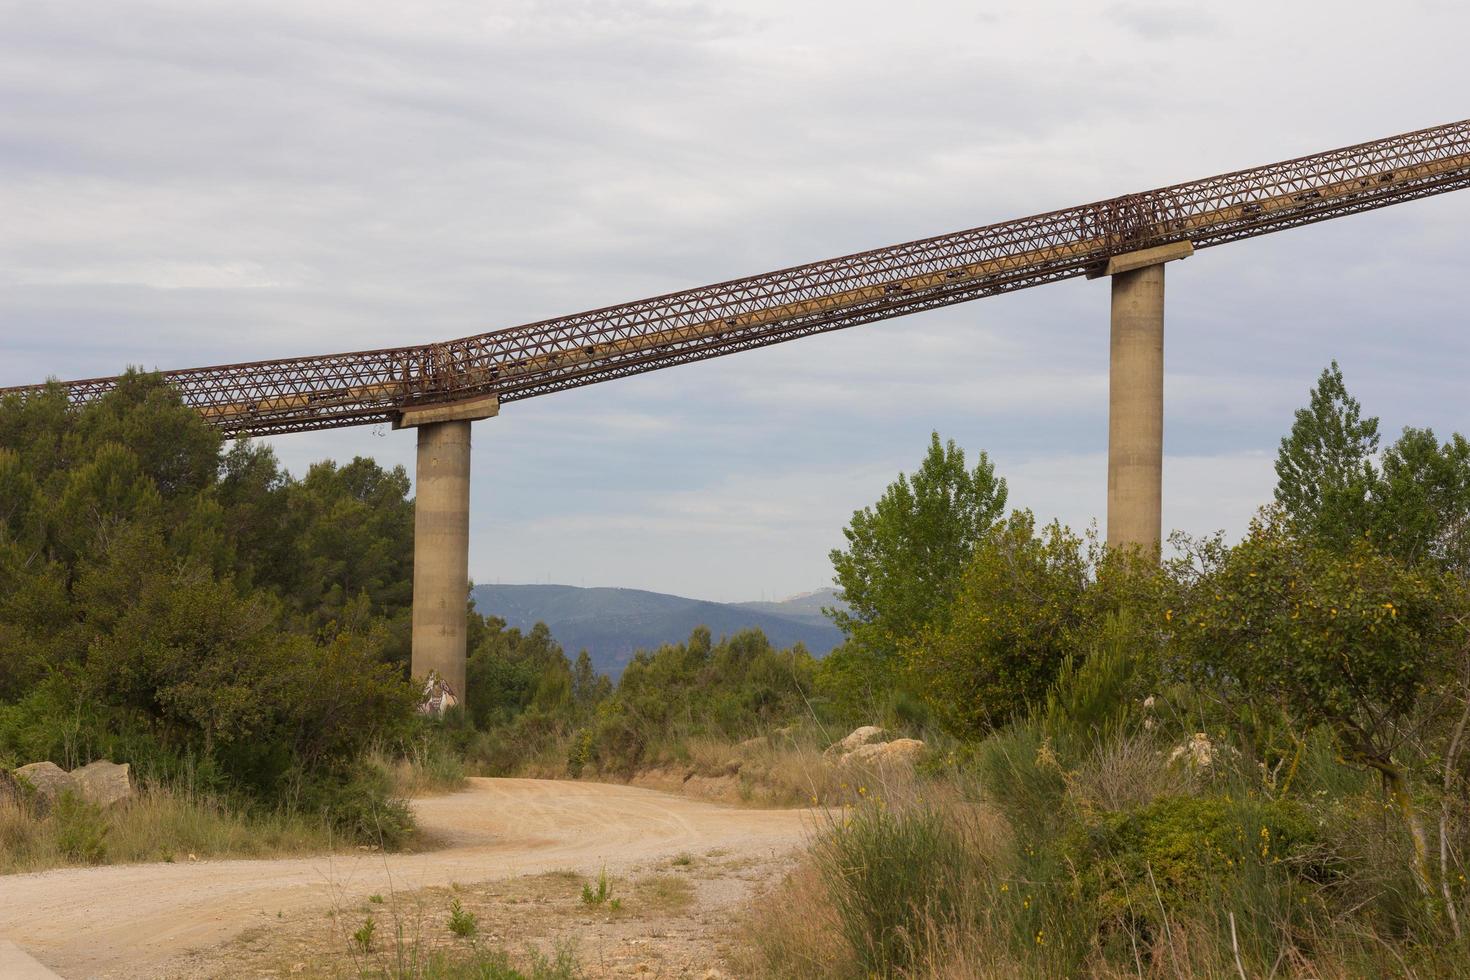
(81, 829)
(360, 806)
(1019, 609)
(461, 922)
(1020, 776)
(1093, 695)
(1163, 858)
(221, 626)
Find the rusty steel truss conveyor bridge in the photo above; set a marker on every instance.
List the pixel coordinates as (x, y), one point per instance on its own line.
(440, 388)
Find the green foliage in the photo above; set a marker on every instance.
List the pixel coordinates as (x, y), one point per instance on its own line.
(462, 923)
(1022, 778)
(602, 894)
(905, 553)
(510, 674)
(364, 934)
(1328, 645)
(890, 872)
(1421, 502)
(81, 829)
(1023, 605)
(1325, 471)
(1415, 506)
(1094, 697)
(1347, 639)
(1159, 860)
(496, 964)
(730, 690)
(359, 804)
(197, 613)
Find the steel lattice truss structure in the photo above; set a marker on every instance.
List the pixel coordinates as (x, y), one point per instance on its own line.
(305, 393)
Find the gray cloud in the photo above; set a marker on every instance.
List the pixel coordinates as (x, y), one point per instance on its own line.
(187, 183)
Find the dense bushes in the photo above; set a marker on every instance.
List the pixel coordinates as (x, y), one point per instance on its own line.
(1247, 761)
(1142, 865)
(530, 702)
(200, 614)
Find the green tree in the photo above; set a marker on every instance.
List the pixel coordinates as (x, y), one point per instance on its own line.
(905, 554)
(1415, 505)
(1421, 503)
(588, 686)
(1325, 474)
(1024, 602)
(1352, 639)
(166, 604)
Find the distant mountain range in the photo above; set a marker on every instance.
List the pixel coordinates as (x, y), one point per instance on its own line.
(613, 624)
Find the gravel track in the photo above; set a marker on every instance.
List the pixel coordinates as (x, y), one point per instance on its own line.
(132, 920)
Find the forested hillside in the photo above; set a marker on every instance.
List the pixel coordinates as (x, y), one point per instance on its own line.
(613, 624)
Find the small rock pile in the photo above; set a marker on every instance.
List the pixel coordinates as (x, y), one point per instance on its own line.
(43, 783)
(866, 748)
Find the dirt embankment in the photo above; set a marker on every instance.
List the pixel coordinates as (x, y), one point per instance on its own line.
(137, 920)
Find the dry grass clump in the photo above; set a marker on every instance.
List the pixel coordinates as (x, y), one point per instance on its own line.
(785, 768)
(885, 881)
(1125, 773)
(795, 932)
(420, 768)
(663, 893)
(778, 770)
(156, 825)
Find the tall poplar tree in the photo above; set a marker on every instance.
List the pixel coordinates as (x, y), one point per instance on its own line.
(905, 554)
(1325, 471)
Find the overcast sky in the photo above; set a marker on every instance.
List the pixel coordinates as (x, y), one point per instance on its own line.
(189, 183)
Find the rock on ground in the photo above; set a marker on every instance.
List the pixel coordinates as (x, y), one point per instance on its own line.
(104, 783)
(899, 753)
(48, 780)
(865, 735)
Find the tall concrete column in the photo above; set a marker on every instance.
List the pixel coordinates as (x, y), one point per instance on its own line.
(441, 552)
(1136, 410)
(1136, 398)
(441, 538)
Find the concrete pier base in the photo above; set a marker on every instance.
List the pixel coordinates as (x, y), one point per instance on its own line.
(1136, 398)
(441, 540)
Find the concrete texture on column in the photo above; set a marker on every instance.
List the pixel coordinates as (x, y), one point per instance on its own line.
(441, 552)
(1136, 410)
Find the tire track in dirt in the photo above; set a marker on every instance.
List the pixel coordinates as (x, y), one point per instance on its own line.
(131, 920)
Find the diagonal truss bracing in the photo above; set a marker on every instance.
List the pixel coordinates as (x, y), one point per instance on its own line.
(328, 391)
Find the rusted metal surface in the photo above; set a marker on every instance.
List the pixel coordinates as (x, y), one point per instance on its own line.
(296, 394)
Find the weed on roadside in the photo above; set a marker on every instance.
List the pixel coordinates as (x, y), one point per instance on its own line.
(462, 923)
(364, 935)
(602, 894)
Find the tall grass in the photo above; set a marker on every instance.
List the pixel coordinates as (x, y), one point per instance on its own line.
(1108, 862)
(893, 874)
(779, 770)
(422, 767)
(157, 825)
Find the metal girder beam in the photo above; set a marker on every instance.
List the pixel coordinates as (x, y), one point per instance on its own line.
(366, 387)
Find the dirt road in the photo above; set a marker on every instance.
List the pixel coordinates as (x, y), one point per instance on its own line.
(130, 920)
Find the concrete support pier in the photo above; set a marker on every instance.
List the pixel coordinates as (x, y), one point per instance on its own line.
(1136, 398)
(441, 538)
